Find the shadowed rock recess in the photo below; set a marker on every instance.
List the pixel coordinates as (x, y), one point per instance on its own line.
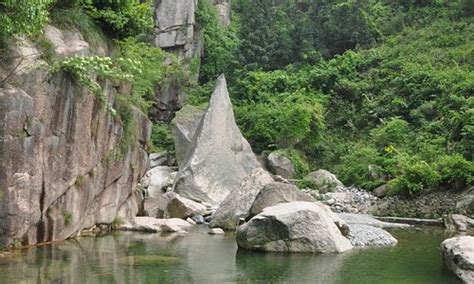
(219, 157)
(61, 167)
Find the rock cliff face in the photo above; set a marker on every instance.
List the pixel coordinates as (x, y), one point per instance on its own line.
(176, 30)
(61, 169)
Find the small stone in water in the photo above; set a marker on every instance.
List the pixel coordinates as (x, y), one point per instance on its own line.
(199, 219)
(216, 231)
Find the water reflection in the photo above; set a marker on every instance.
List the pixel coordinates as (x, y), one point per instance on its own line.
(287, 268)
(201, 258)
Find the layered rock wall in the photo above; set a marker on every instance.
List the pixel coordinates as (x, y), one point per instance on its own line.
(176, 30)
(61, 167)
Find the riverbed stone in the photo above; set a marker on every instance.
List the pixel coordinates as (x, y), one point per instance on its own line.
(154, 225)
(293, 227)
(458, 222)
(280, 165)
(180, 207)
(157, 207)
(199, 219)
(458, 254)
(216, 231)
(380, 191)
(158, 159)
(237, 204)
(157, 180)
(220, 157)
(274, 193)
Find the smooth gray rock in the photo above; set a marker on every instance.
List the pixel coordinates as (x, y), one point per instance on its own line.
(274, 193)
(220, 156)
(156, 207)
(280, 165)
(458, 222)
(237, 204)
(458, 254)
(158, 159)
(184, 127)
(199, 219)
(180, 207)
(380, 191)
(293, 227)
(157, 180)
(466, 206)
(216, 231)
(153, 225)
(324, 181)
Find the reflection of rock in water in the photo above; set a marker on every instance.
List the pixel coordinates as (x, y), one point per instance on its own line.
(287, 268)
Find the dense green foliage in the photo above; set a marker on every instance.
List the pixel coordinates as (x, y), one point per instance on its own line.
(376, 91)
(219, 41)
(22, 17)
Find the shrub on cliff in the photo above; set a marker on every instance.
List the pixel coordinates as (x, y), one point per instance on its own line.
(22, 17)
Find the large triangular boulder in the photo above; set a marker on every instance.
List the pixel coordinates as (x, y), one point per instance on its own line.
(220, 157)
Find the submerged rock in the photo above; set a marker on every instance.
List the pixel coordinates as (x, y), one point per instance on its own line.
(274, 193)
(293, 227)
(219, 158)
(280, 165)
(458, 254)
(153, 225)
(237, 204)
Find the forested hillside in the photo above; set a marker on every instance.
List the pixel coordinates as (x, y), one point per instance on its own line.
(376, 91)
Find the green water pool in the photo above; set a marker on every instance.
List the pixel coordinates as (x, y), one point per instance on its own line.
(200, 258)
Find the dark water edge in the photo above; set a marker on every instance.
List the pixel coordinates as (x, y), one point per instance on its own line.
(200, 258)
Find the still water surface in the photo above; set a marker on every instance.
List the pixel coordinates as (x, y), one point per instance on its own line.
(200, 258)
